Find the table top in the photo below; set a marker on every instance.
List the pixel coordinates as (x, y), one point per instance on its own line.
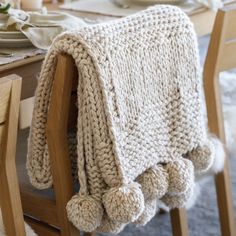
(55, 7)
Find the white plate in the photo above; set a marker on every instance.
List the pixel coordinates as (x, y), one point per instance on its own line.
(151, 2)
(12, 35)
(15, 43)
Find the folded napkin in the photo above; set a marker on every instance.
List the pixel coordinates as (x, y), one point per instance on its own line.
(141, 132)
(39, 28)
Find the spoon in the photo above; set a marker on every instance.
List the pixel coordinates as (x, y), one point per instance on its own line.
(6, 54)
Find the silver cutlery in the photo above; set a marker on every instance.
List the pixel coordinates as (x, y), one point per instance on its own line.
(6, 54)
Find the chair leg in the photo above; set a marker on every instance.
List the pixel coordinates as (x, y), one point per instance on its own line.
(225, 201)
(179, 222)
(10, 202)
(222, 179)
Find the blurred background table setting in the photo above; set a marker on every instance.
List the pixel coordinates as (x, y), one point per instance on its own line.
(29, 32)
(28, 27)
(126, 7)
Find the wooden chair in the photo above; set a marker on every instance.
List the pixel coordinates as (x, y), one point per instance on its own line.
(49, 208)
(10, 90)
(221, 56)
(45, 210)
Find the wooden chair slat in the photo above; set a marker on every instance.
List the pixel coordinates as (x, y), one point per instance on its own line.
(56, 131)
(1, 131)
(42, 229)
(10, 89)
(31, 207)
(179, 222)
(5, 89)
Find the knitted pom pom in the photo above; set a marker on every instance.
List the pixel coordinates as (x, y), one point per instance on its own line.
(124, 204)
(154, 182)
(181, 176)
(202, 157)
(148, 213)
(178, 201)
(85, 212)
(110, 226)
(218, 162)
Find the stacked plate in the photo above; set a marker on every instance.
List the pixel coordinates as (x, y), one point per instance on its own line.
(13, 39)
(152, 2)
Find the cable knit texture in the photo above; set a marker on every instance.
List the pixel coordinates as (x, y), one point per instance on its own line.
(140, 130)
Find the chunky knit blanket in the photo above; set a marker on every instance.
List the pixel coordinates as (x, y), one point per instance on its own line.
(141, 134)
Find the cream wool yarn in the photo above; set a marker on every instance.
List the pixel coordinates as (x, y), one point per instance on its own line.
(110, 226)
(139, 109)
(148, 213)
(154, 182)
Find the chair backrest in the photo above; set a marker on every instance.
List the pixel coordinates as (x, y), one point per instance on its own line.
(62, 116)
(221, 56)
(10, 89)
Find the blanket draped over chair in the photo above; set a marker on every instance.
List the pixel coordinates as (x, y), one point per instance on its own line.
(141, 134)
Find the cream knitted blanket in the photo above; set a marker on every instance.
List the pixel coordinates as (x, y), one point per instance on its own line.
(141, 132)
